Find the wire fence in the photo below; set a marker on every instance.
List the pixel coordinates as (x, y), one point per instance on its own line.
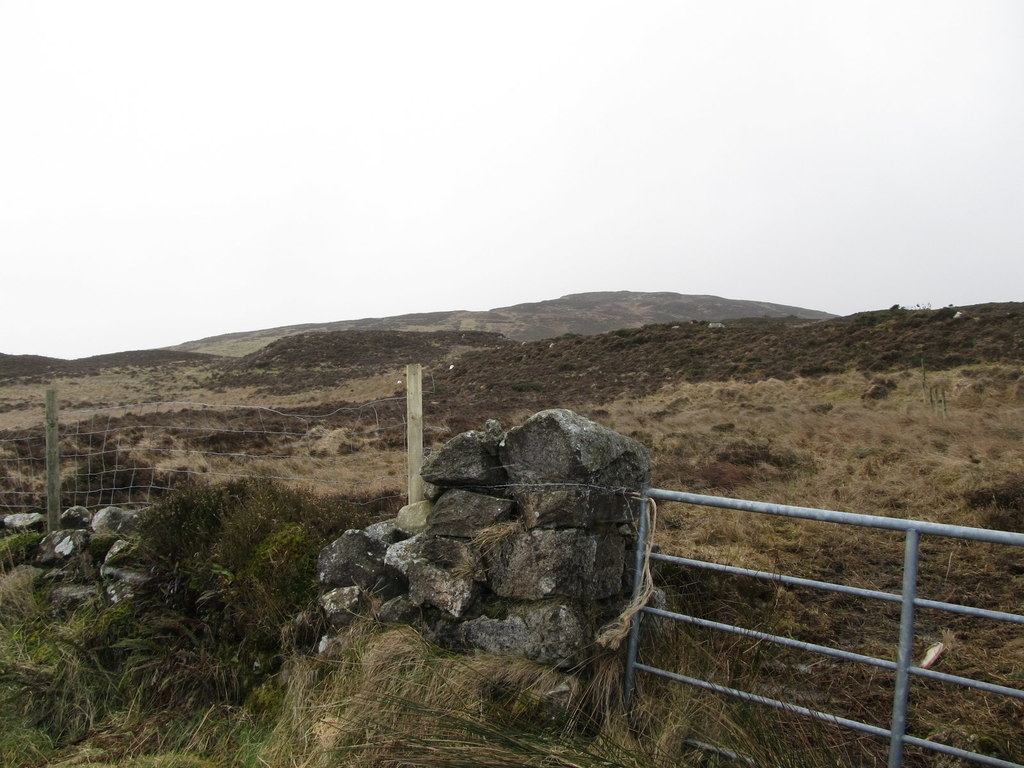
(133, 454)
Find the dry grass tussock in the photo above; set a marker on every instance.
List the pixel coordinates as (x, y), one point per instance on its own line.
(390, 699)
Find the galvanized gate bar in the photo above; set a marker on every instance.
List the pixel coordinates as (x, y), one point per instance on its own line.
(779, 577)
(789, 642)
(825, 650)
(843, 518)
(854, 725)
(828, 586)
(909, 601)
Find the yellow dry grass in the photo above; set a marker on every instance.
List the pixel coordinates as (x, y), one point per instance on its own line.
(824, 446)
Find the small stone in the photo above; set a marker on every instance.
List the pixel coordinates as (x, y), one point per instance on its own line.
(412, 518)
(67, 597)
(386, 532)
(341, 605)
(119, 547)
(402, 554)
(75, 517)
(398, 610)
(121, 583)
(24, 522)
(432, 492)
(444, 574)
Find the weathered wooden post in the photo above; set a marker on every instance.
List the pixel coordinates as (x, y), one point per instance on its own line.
(414, 429)
(52, 464)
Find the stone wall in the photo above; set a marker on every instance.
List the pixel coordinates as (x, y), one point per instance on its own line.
(86, 558)
(523, 545)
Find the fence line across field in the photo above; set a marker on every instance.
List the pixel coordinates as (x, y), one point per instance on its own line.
(97, 456)
(902, 667)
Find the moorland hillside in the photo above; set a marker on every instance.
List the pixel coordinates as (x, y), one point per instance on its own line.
(904, 413)
(585, 313)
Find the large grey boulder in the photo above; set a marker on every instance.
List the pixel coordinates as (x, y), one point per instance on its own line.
(574, 506)
(463, 514)
(341, 606)
(557, 563)
(115, 521)
(548, 632)
(356, 559)
(568, 471)
(470, 458)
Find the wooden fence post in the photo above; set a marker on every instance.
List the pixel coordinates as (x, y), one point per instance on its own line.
(52, 464)
(414, 429)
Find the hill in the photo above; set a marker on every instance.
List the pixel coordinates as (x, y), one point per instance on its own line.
(321, 359)
(635, 362)
(584, 313)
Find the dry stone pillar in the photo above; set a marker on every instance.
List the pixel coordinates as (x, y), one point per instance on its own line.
(523, 546)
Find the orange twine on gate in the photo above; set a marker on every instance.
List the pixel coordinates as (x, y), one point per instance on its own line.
(615, 631)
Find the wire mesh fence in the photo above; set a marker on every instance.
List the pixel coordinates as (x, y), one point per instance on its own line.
(132, 454)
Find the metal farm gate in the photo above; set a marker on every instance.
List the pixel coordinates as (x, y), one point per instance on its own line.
(903, 667)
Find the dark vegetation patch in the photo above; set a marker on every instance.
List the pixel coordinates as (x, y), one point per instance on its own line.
(232, 591)
(638, 361)
(1002, 503)
(325, 359)
(34, 368)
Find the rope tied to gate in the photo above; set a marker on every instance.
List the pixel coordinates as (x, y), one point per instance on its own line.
(615, 631)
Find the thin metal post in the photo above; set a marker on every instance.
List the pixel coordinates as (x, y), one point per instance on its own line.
(52, 464)
(634, 629)
(903, 655)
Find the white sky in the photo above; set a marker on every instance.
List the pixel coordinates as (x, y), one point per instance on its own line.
(174, 170)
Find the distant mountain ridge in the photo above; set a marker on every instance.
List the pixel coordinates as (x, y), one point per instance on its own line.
(582, 313)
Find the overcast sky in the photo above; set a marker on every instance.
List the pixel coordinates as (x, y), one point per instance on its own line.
(175, 170)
